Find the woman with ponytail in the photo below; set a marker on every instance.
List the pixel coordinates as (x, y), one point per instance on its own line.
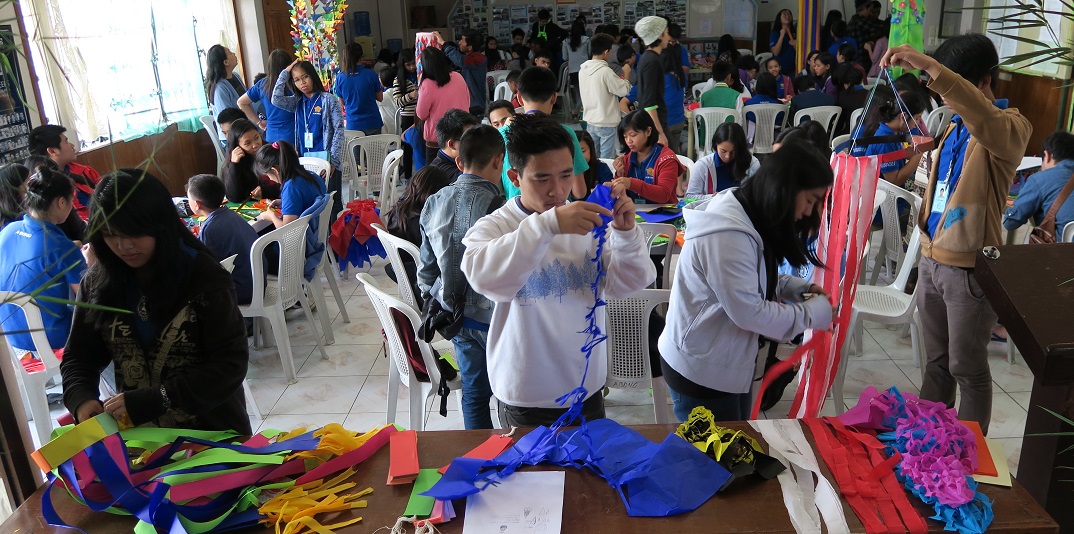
(222, 86)
(35, 255)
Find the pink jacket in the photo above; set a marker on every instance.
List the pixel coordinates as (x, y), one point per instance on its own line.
(434, 101)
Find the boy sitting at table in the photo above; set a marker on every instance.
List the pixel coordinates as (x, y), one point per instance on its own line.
(533, 259)
(223, 232)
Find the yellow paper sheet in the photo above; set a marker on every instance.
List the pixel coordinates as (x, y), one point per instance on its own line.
(995, 448)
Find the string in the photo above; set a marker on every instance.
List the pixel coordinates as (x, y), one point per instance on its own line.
(903, 108)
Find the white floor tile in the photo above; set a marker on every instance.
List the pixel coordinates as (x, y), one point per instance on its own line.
(1008, 417)
(343, 360)
(319, 395)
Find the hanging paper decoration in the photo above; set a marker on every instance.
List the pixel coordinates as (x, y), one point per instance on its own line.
(314, 24)
(939, 454)
(190, 481)
(353, 238)
(907, 27)
(809, 23)
(423, 40)
(735, 450)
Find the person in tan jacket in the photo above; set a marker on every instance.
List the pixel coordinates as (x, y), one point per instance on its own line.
(601, 90)
(962, 212)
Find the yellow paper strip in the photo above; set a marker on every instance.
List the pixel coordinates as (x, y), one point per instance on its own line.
(74, 441)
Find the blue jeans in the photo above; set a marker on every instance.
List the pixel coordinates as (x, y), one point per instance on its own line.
(604, 139)
(470, 344)
(728, 407)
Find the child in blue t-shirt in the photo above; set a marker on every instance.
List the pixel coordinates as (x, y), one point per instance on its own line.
(301, 188)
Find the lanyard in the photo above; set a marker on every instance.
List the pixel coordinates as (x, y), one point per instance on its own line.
(961, 138)
(320, 99)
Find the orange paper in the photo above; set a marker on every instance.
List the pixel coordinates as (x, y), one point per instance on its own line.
(488, 450)
(403, 463)
(986, 465)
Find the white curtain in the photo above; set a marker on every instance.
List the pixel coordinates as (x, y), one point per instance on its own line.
(122, 69)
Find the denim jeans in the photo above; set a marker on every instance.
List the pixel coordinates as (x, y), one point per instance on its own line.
(604, 138)
(470, 345)
(729, 407)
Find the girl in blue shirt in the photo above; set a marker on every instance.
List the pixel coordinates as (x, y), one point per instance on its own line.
(766, 92)
(278, 123)
(781, 41)
(891, 119)
(36, 255)
(360, 89)
(301, 188)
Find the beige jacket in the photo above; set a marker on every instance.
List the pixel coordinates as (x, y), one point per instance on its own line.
(601, 90)
(998, 143)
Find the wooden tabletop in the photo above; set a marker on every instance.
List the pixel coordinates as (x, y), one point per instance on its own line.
(590, 504)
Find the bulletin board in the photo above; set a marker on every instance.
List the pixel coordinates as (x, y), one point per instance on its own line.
(1009, 47)
(709, 19)
(14, 115)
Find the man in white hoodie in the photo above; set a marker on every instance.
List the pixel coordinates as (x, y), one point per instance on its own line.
(534, 259)
(601, 90)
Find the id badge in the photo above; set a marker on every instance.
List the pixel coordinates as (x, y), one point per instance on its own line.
(939, 199)
(309, 140)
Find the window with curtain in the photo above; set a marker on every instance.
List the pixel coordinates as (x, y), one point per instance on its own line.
(122, 69)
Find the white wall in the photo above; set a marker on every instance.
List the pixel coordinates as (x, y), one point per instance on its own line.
(249, 15)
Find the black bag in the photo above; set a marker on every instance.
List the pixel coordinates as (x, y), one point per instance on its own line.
(436, 320)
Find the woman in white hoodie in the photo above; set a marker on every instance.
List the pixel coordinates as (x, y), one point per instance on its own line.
(727, 293)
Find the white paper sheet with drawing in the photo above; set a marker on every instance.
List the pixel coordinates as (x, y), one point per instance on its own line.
(526, 502)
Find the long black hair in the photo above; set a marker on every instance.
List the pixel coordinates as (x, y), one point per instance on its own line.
(12, 177)
(435, 66)
(671, 59)
(278, 60)
(353, 56)
(590, 174)
(770, 199)
(766, 85)
(423, 185)
(406, 55)
(214, 69)
(577, 32)
(731, 132)
(638, 120)
(282, 156)
(315, 79)
(134, 203)
(778, 24)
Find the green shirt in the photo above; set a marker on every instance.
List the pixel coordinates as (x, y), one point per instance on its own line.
(580, 165)
(720, 96)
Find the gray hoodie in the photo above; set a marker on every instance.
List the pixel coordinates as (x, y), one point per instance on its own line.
(718, 307)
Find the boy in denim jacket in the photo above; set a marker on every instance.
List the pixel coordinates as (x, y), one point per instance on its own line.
(446, 217)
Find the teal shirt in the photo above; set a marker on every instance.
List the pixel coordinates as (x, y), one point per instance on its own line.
(511, 191)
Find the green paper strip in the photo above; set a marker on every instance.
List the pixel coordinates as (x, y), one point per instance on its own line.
(224, 456)
(420, 505)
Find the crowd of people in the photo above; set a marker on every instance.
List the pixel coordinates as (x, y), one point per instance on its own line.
(501, 214)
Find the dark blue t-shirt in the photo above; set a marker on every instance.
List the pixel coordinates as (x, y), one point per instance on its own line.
(225, 233)
(298, 194)
(308, 118)
(358, 91)
(279, 123)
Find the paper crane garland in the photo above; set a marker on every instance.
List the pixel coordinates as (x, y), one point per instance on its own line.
(314, 24)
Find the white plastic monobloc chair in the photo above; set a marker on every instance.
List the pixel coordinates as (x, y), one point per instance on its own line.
(316, 166)
(629, 364)
(1068, 232)
(827, 116)
(885, 305)
(565, 98)
(765, 133)
(502, 92)
(32, 378)
(252, 410)
(840, 139)
(496, 77)
(209, 124)
(706, 120)
(287, 290)
(368, 154)
(329, 266)
(891, 254)
(653, 231)
(855, 118)
(696, 90)
(400, 370)
(762, 57)
(938, 120)
(389, 180)
(393, 245)
(684, 178)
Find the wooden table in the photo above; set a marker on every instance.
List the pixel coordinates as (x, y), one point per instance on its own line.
(1026, 288)
(590, 505)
